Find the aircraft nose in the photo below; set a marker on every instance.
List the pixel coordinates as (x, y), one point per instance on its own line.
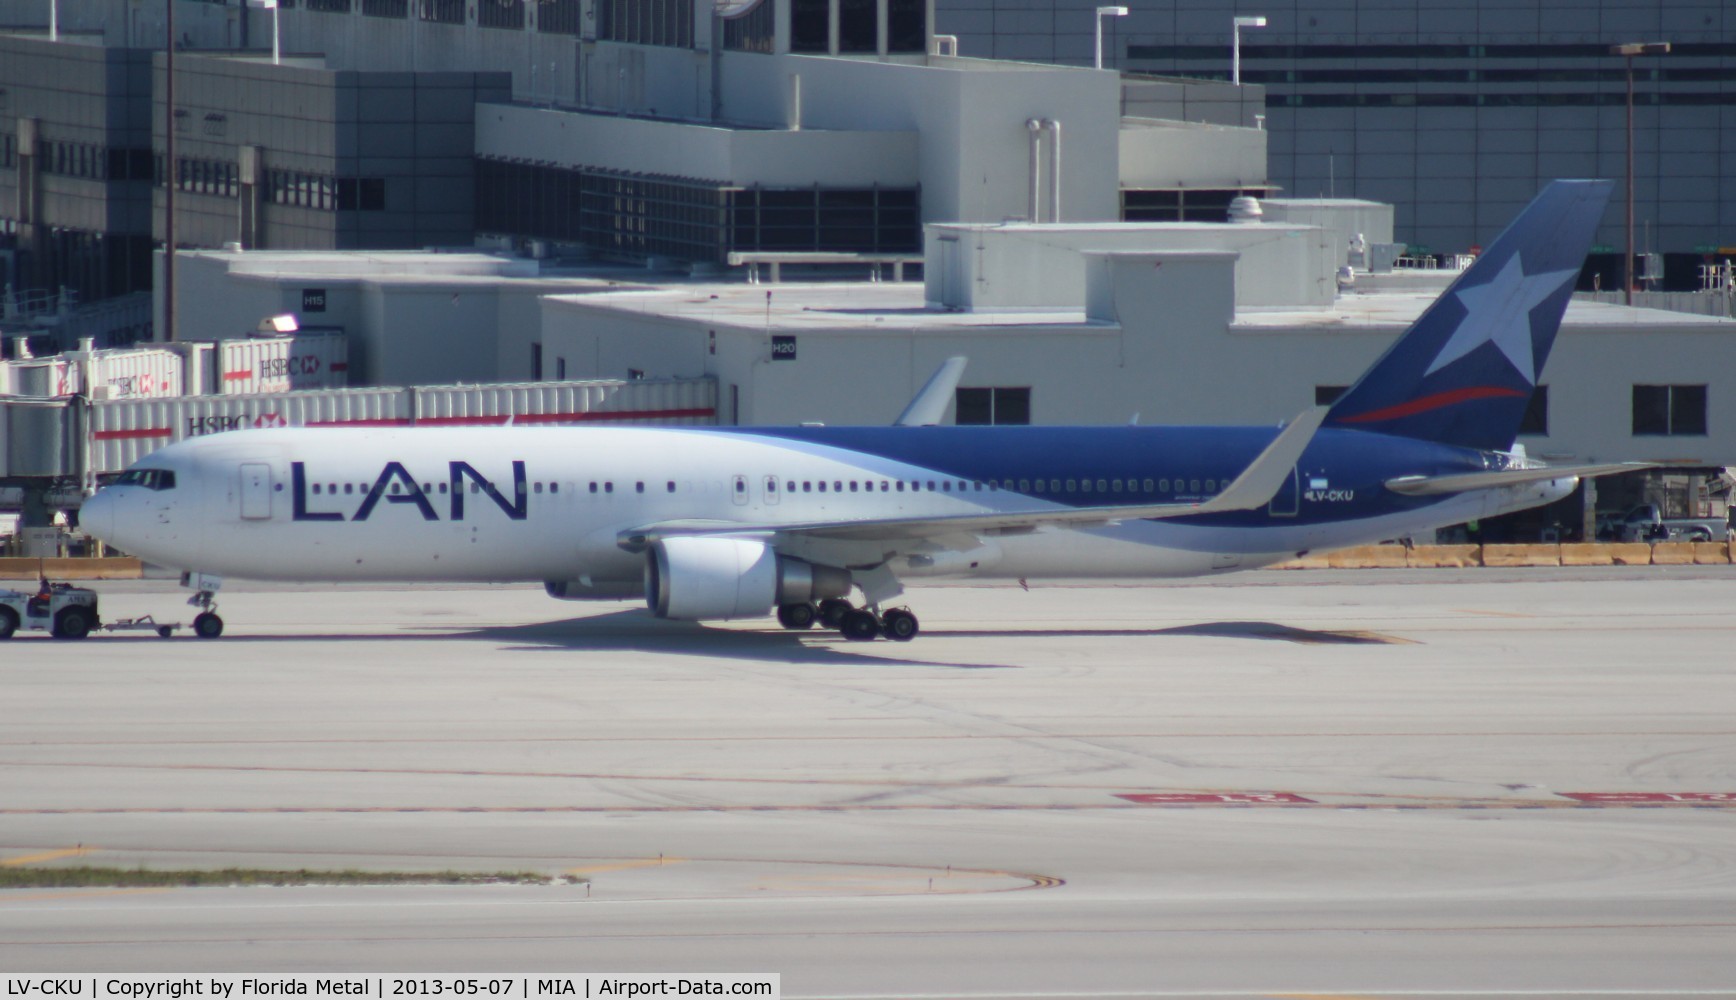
(97, 516)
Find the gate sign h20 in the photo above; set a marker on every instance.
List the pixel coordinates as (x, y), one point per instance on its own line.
(313, 300)
(783, 348)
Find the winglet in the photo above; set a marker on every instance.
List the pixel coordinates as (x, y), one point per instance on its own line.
(1260, 481)
(929, 405)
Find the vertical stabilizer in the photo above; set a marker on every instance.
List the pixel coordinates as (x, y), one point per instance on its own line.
(1465, 370)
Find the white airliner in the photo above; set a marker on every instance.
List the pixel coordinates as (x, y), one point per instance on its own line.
(722, 523)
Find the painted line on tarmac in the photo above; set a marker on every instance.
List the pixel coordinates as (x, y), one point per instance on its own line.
(30, 859)
(622, 866)
(1491, 806)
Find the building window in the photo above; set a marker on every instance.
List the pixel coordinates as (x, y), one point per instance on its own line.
(1192, 205)
(441, 11)
(386, 8)
(557, 17)
(753, 31)
(856, 26)
(1669, 410)
(1536, 418)
(809, 26)
(500, 14)
(906, 26)
(329, 6)
(1002, 405)
(646, 22)
(634, 217)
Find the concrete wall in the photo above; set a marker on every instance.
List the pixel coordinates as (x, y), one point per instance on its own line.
(974, 165)
(773, 157)
(1168, 154)
(1024, 267)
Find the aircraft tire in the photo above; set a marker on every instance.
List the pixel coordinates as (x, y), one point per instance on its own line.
(797, 616)
(207, 626)
(72, 623)
(899, 625)
(833, 610)
(859, 626)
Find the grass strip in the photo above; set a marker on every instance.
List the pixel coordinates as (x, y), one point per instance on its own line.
(93, 876)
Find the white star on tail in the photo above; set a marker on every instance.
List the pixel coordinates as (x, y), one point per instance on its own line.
(1499, 312)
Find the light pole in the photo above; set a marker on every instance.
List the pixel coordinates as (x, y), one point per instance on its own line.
(1628, 50)
(1236, 45)
(1103, 12)
(276, 28)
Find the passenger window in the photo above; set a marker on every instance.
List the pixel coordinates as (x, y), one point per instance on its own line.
(1193, 486)
(534, 489)
(1072, 486)
(608, 487)
(900, 486)
(443, 487)
(316, 489)
(1211, 485)
(837, 487)
(1115, 484)
(1024, 486)
(1163, 486)
(349, 488)
(670, 486)
(853, 486)
(822, 486)
(1102, 486)
(946, 486)
(1084, 485)
(807, 486)
(916, 486)
(885, 486)
(1149, 486)
(639, 487)
(931, 486)
(593, 488)
(395, 488)
(554, 487)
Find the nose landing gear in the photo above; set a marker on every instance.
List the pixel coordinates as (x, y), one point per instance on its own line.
(206, 624)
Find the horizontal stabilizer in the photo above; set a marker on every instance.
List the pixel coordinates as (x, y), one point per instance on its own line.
(1460, 482)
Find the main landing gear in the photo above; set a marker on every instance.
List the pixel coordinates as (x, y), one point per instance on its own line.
(858, 624)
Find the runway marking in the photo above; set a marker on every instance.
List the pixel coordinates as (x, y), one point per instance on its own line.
(1215, 798)
(623, 866)
(30, 859)
(823, 807)
(11, 897)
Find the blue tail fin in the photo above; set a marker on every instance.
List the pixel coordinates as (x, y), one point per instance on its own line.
(1464, 371)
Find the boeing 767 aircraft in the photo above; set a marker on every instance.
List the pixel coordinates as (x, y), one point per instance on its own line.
(739, 522)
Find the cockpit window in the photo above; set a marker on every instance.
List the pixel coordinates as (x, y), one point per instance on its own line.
(150, 479)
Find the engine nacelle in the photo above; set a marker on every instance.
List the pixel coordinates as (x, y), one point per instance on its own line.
(713, 578)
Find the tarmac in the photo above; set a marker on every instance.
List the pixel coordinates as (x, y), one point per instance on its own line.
(1377, 783)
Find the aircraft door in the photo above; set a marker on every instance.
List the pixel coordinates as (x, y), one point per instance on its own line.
(1284, 502)
(255, 491)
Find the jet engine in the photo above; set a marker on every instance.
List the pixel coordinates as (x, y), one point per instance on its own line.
(696, 578)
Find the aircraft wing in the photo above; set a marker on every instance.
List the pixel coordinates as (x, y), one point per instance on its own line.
(1253, 488)
(1459, 482)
